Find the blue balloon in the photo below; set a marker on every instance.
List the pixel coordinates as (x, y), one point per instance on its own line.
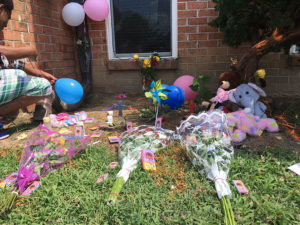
(68, 90)
(175, 97)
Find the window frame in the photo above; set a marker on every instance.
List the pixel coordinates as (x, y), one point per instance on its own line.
(174, 34)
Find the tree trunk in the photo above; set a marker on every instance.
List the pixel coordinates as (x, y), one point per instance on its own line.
(248, 64)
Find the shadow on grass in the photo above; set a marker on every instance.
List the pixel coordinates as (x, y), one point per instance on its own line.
(21, 126)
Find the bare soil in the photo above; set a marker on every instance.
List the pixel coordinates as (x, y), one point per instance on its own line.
(21, 129)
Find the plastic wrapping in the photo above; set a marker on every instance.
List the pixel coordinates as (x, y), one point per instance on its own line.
(208, 144)
(131, 144)
(44, 152)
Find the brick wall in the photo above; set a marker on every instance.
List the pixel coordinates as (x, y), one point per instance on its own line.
(200, 47)
(39, 22)
(201, 51)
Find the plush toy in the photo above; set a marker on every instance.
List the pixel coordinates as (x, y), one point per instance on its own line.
(246, 96)
(228, 81)
(241, 123)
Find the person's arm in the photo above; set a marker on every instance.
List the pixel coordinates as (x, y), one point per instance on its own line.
(39, 73)
(18, 53)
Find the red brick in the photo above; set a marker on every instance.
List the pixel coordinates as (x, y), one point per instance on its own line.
(189, 13)
(206, 59)
(97, 26)
(211, 5)
(197, 21)
(181, 22)
(99, 55)
(208, 12)
(99, 41)
(29, 37)
(19, 26)
(217, 51)
(182, 37)
(209, 19)
(35, 28)
(186, 29)
(207, 29)
(15, 15)
(27, 17)
(95, 34)
(12, 35)
(32, 9)
(197, 51)
(181, 6)
(197, 5)
(19, 6)
(46, 13)
(187, 44)
(183, 52)
(44, 38)
(215, 36)
(197, 36)
(187, 59)
(207, 43)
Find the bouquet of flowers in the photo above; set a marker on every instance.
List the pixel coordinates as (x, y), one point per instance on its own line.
(148, 67)
(131, 144)
(44, 152)
(209, 148)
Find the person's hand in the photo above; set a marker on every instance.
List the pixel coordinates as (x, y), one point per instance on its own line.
(49, 77)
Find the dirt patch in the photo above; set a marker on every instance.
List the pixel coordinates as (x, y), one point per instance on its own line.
(22, 127)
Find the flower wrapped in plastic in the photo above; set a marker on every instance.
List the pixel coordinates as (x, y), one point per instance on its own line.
(208, 145)
(131, 144)
(44, 152)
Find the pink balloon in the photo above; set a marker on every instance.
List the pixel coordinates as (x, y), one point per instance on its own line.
(96, 9)
(184, 83)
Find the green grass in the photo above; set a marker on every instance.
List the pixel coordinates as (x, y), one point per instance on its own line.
(72, 196)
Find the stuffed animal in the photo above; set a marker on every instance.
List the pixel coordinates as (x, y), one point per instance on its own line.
(246, 96)
(241, 123)
(228, 81)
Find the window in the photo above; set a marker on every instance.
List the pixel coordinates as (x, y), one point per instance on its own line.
(143, 27)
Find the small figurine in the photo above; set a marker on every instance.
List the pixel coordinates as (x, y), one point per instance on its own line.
(110, 120)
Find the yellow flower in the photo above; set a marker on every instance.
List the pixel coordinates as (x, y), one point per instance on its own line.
(261, 73)
(156, 58)
(147, 63)
(136, 57)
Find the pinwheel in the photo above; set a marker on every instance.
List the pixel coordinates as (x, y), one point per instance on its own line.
(157, 93)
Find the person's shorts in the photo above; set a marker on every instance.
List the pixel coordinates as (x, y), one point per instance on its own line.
(15, 83)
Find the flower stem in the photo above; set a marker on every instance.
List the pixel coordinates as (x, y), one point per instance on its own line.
(116, 189)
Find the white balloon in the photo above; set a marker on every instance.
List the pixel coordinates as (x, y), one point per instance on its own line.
(73, 14)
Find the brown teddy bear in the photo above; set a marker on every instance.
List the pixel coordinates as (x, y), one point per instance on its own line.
(228, 81)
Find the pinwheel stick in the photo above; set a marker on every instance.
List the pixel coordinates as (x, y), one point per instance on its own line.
(156, 112)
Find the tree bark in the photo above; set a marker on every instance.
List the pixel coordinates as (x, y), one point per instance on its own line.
(248, 63)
